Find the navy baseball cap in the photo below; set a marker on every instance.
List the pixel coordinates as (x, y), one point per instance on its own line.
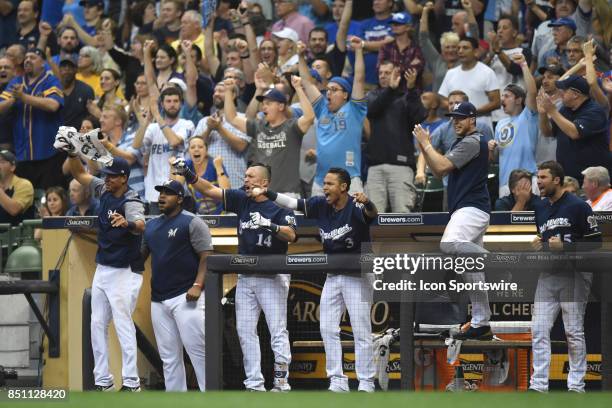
(575, 82)
(553, 69)
(463, 110)
(38, 52)
(120, 167)
(172, 186)
(343, 82)
(564, 21)
(67, 59)
(401, 18)
(8, 156)
(91, 3)
(273, 94)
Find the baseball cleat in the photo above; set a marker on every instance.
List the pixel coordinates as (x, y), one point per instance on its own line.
(125, 388)
(475, 333)
(105, 388)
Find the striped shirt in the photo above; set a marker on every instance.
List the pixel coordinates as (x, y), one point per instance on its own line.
(234, 162)
(136, 179)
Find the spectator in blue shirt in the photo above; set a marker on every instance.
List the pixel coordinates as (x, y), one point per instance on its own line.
(340, 115)
(37, 98)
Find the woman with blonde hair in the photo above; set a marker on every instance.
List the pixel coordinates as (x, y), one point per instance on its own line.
(89, 68)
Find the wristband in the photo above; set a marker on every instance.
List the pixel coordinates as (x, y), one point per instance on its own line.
(245, 56)
(274, 228)
(197, 284)
(429, 146)
(131, 225)
(162, 127)
(271, 195)
(190, 176)
(369, 206)
(73, 155)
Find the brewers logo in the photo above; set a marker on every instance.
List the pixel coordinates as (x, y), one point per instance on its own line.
(506, 135)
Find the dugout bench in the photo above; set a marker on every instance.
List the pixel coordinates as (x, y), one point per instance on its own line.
(78, 267)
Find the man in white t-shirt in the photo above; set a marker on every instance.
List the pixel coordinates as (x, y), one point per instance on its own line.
(162, 140)
(474, 78)
(596, 186)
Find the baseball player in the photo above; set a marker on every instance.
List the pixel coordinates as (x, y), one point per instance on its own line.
(179, 243)
(264, 228)
(469, 204)
(343, 225)
(564, 222)
(118, 275)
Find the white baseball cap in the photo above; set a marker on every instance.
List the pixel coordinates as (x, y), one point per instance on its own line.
(287, 33)
(178, 81)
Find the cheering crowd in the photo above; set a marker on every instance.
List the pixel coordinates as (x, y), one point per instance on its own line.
(302, 86)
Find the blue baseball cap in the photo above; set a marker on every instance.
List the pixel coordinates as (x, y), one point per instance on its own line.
(343, 82)
(574, 82)
(171, 186)
(273, 94)
(119, 167)
(315, 74)
(401, 18)
(463, 110)
(564, 21)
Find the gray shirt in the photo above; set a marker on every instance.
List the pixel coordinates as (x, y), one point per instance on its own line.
(279, 148)
(134, 210)
(199, 234)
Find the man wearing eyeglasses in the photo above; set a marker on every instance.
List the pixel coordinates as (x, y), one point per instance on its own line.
(340, 116)
(580, 127)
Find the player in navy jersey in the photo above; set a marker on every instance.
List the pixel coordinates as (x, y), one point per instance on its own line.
(564, 223)
(469, 205)
(179, 243)
(343, 225)
(263, 228)
(119, 268)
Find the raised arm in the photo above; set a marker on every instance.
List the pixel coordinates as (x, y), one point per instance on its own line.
(530, 83)
(413, 7)
(209, 47)
(310, 88)
(224, 181)
(191, 74)
(82, 34)
(343, 25)
(149, 71)
(359, 80)
(238, 122)
(178, 167)
(591, 75)
(307, 119)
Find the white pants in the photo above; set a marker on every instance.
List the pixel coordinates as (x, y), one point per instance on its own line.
(464, 234)
(356, 187)
(178, 323)
(567, 292)
(254, 294)
(352, 293)
(113, 296)
(391, 186)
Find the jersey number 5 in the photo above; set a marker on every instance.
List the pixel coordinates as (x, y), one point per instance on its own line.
(264, 242)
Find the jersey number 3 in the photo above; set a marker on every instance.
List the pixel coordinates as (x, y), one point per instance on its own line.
(264, 242)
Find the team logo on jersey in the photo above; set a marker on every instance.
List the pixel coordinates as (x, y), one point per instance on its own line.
(555, 223)
(290, 220)
(506, 135)
(336, 234)
(172, 232)
(592, 222)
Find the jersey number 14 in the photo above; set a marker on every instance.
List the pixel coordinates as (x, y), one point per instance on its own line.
(267, 242)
